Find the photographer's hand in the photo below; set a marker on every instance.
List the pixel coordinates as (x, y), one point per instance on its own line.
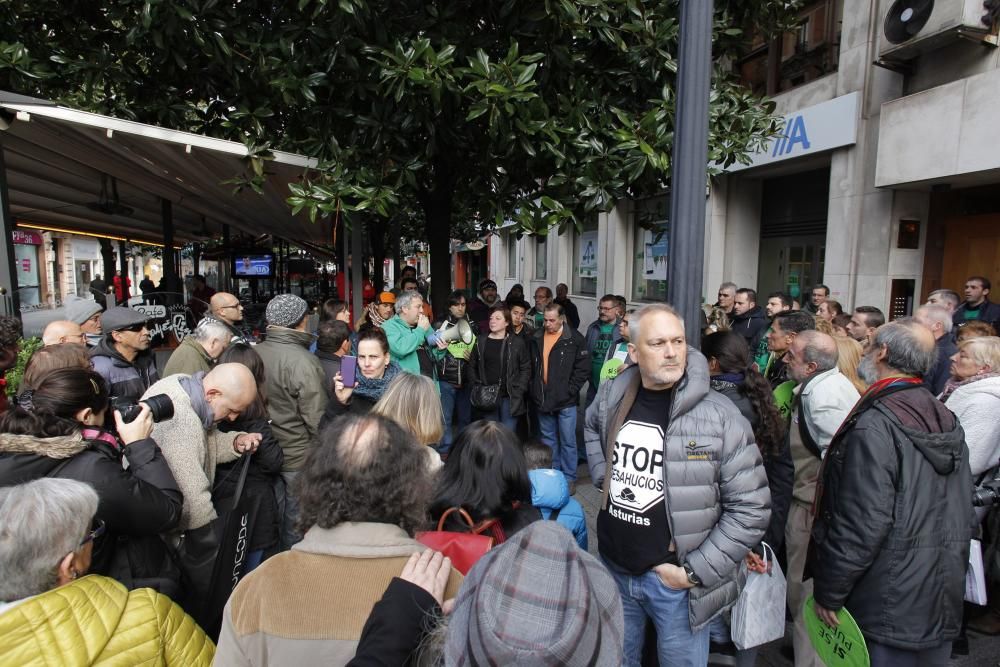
(137, 429)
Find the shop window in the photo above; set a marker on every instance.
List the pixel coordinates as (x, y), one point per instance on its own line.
(511, 244)
(651, 244)
(541, 258)
(585, 258)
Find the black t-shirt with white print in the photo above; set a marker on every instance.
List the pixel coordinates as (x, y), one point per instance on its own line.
(632, 531)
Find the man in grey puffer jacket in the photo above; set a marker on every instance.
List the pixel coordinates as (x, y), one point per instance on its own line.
(685, 493)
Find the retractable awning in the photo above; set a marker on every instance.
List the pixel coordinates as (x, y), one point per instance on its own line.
(80, 171)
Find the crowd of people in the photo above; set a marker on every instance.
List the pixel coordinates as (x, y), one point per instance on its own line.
(850, 446)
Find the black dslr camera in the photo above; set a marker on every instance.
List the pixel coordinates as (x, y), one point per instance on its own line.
(160, 407)
(987, 494)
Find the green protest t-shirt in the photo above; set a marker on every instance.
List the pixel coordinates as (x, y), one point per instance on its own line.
(762, 354)
(600, 351)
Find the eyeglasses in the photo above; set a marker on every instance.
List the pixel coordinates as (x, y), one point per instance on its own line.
(97, 531)
(604, 309)
(234, 305)
(135, 328)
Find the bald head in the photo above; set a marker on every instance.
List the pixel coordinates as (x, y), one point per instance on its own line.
(229, 390)
(226, 308)
(61, 332)
(360, 441)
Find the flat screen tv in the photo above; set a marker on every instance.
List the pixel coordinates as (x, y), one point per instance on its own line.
(253, 265)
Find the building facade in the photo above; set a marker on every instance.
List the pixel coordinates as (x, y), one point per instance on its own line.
(885, 185)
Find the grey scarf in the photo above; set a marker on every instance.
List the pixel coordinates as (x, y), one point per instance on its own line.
(194, 387)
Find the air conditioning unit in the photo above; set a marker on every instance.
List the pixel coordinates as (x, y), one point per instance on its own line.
(913, 27)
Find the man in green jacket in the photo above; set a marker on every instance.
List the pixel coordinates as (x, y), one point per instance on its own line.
(407, 333)
(200, 349)
(296, 395)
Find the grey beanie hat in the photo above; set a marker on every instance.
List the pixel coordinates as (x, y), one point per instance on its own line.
(80, 310)
(537, 599)
(285, 310)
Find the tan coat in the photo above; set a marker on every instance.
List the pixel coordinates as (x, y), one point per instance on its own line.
(308, 606)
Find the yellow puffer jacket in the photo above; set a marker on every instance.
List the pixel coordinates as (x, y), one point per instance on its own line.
(96, 621)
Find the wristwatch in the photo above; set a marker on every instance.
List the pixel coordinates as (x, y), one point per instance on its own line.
(692, 577)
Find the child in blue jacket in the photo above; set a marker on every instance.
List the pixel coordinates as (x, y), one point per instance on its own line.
(550, 491)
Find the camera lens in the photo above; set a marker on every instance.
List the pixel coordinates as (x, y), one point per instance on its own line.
(160, 407)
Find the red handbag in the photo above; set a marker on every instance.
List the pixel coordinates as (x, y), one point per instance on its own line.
(464, 549)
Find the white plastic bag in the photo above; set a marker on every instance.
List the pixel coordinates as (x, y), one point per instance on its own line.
(975, 576)
(759, 614)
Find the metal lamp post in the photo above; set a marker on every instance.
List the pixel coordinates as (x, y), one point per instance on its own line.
(689, 164)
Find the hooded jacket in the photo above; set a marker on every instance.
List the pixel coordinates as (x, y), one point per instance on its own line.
(550, 492)
(569, 368)
(715, 489)
(296, 392)
(96, 621)
(750, 325)
(890, 541)
(136, 503)
(405, 343)
(126, 379)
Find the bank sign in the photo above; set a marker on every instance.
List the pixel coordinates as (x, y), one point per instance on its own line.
(811, 130)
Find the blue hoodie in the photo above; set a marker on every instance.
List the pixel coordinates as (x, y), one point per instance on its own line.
(550, 491)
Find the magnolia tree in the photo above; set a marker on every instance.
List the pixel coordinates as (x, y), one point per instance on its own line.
(451, 116)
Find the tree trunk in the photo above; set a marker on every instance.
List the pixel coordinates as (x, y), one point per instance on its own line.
(377, 230)
(437, 216)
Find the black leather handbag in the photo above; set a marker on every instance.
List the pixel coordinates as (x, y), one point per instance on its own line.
(486, 397)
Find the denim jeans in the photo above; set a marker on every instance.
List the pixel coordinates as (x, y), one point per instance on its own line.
(500, 414)
(647, 596)
(454, 400)
(558, 431)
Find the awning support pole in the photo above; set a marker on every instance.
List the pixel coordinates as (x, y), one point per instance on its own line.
(10, 303)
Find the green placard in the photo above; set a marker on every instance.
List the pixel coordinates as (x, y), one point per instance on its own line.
(842, 646)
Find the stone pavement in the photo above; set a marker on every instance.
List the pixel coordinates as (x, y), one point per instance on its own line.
(984, 651)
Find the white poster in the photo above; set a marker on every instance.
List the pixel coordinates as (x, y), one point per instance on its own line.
(654, 254)
(587, 261)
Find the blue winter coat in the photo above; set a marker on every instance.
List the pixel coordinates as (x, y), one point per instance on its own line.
(550, 491)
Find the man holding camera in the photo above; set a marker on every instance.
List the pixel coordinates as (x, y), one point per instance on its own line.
(123, 358)
(186, 409)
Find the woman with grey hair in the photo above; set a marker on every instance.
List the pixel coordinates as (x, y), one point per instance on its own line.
(973, 394)
(46, 542)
